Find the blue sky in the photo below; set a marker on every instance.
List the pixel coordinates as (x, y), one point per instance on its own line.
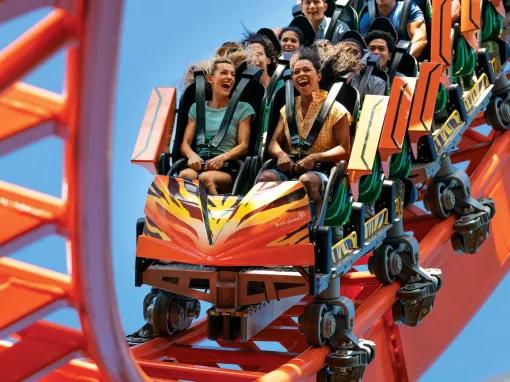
(159, 39)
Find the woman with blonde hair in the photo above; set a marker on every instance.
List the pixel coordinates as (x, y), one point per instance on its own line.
(208, 163)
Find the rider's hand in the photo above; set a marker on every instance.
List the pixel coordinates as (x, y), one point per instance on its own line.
(284, 162)
(195, 162)
(215, 163)
(305, 164)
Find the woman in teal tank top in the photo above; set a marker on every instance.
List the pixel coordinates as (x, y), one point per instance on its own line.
(209, 167)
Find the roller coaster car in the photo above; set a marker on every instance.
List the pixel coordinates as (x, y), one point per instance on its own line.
(254, 256)
(256, 252)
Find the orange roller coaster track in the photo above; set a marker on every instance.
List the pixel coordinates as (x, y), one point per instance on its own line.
(81, 117)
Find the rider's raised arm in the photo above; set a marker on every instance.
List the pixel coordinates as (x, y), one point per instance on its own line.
(418, 32)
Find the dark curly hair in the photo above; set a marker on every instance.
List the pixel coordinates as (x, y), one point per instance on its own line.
(307, 53)
(269, 49)
(296, 30)
(377, 34)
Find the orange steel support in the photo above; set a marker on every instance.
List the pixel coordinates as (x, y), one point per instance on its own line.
(81, 117)
(34, 46)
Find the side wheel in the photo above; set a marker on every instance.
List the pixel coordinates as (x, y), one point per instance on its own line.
(439, 200)
(168, 314)
(158, 315)
(385, 264)
(310, 324)
(147, 300)
(498, 114)
(488, 202)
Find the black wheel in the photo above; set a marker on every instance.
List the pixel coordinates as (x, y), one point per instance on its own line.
(385, 264)
(310, 324)
(439, 200)
(457, 243)
(488, 202)
(158, 314)
(147, 300)
(494, 116)
(168, 313)
(347, 360)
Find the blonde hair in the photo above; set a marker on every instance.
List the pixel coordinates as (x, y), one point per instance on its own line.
(229, 47)
(189, 75)
(218, 60)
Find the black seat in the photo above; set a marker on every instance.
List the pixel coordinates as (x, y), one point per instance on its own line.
(301, 22)
(345, 14)
(188, 98)
(402, 62)
(247, 89)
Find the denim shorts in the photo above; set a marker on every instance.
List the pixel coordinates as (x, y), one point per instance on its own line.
(284, 177)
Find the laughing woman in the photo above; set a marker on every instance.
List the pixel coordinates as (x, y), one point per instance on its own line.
(213, 169)
(310, 166)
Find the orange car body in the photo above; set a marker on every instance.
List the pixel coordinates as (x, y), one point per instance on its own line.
(266, 227)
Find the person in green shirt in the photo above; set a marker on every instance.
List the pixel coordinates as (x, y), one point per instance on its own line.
(209, 166)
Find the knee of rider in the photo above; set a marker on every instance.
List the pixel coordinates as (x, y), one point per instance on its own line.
(205, 178)
(187, 173)
(311, 183)
(267, 176)
(306, 179)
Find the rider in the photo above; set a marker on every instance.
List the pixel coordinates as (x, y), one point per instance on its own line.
(212, 168)
(382, 44)
(314, 11)
(262, 53)
(332, 143)
(291, 38)
(415, 30)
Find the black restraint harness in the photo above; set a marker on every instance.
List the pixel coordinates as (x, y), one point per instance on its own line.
(297, 143)
(250, 74)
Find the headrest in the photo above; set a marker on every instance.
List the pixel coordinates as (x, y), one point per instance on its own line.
(355, 37)
(272, 37)
(383, 24)
(304, 25)
(331, 8)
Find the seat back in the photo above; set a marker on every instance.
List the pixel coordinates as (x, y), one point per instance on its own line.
(253, 94)
(187, 99)
(301, 22)
(408, 66)
(349, 97)
(342, 13)
(402, 61)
